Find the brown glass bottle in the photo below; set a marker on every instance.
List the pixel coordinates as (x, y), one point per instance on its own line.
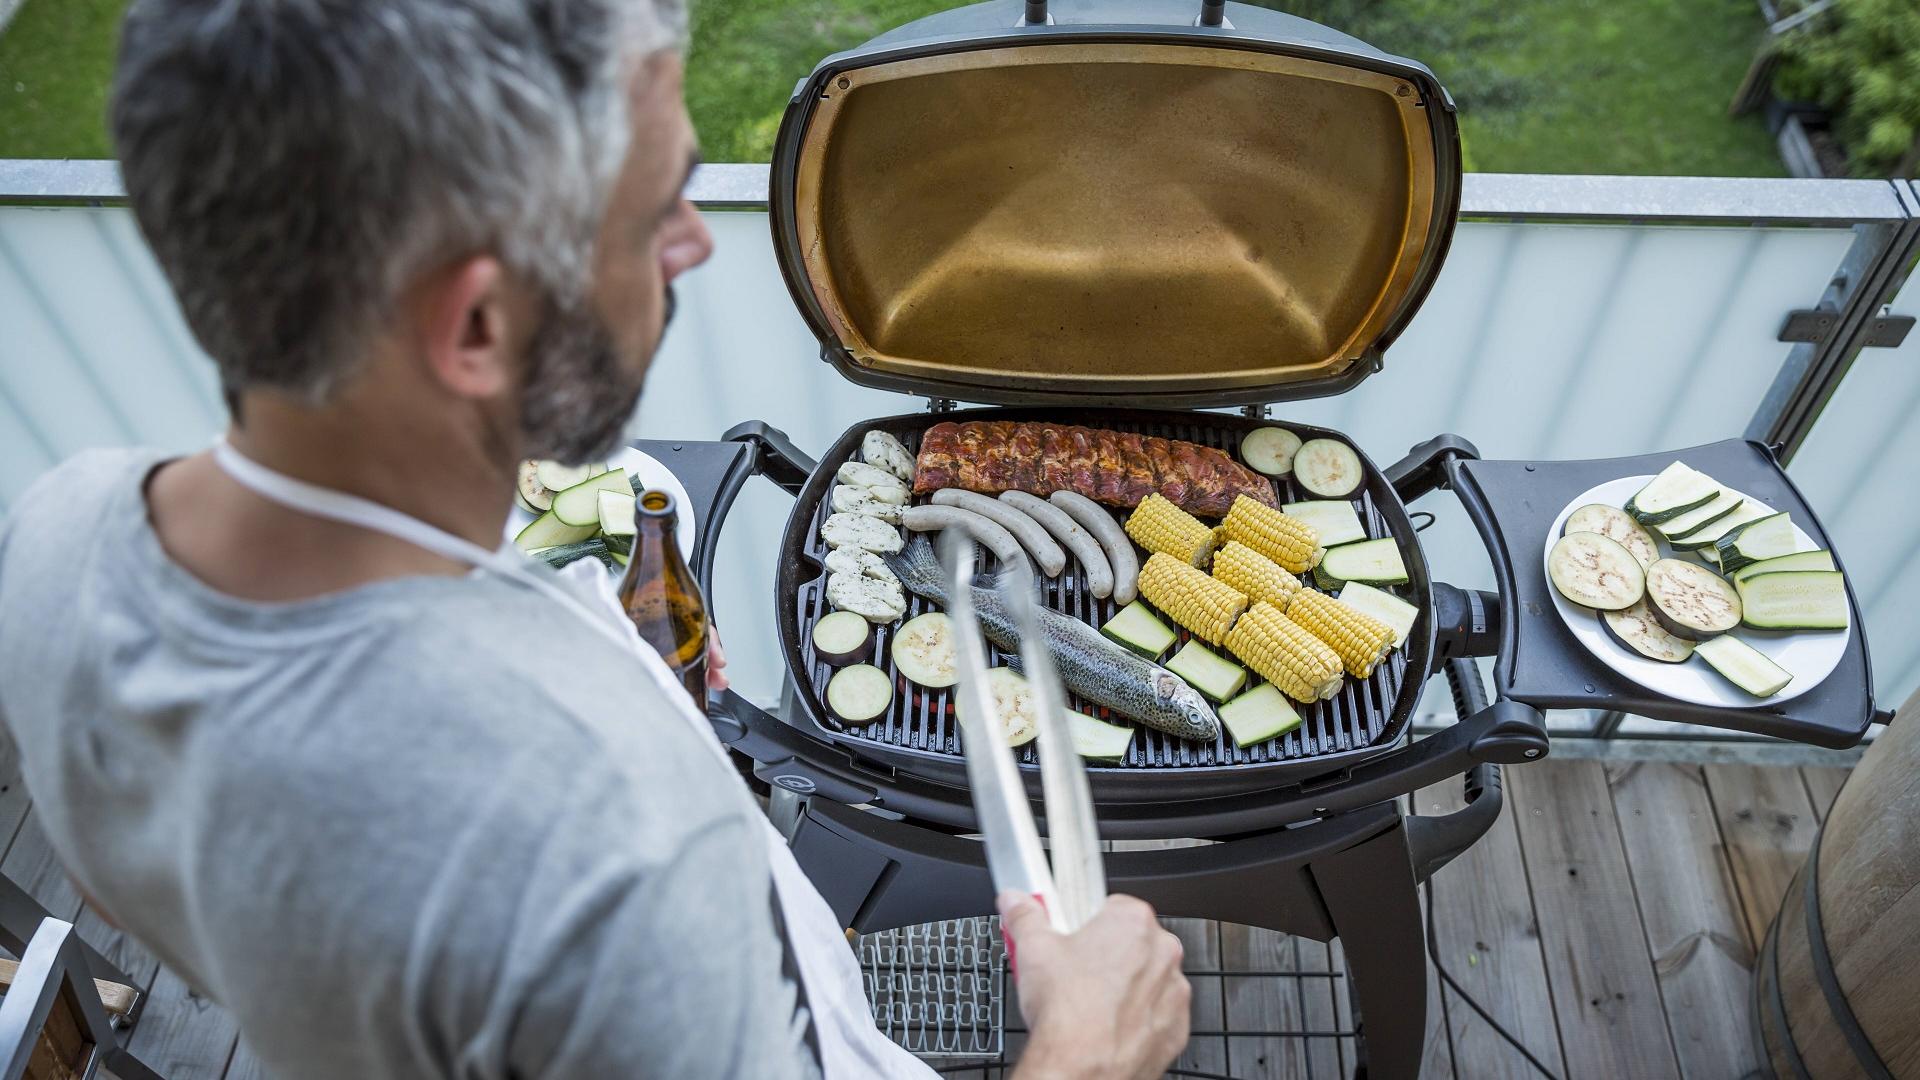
(661, 596)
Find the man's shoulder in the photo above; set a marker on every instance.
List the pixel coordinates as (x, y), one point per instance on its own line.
(75, 493)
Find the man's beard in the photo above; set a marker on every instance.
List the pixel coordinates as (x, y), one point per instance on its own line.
(578, 394)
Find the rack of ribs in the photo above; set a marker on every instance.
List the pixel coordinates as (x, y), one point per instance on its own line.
(1112, 467)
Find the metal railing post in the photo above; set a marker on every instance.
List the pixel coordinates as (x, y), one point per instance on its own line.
(1870, 275)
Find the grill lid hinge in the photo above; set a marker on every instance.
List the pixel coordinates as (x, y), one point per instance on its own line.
(1255, 412)
(940, 405)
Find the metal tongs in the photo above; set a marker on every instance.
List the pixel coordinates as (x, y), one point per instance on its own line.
(1074, 888)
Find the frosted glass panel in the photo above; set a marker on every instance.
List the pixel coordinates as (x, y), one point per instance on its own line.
(1857, 469)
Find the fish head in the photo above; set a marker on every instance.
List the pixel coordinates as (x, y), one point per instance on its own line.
(1172, 692)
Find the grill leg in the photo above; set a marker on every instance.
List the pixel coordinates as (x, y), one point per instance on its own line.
(1371, 895)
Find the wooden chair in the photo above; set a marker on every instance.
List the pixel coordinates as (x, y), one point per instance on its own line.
(53, 1019)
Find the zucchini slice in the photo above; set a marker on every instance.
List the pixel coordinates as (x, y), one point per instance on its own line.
(1704, 537)
(1097, 739)
(580, 504)
(1640, 632)
(1722, 504)
(1617, 525)
(1596, 571)
(1138, 629)
(616, 513)
(923, 650)
(1269, 450)
(548, 530)
(1012, 706)
(1324, 581)
(1382, 605)
(859, 693)
(841, 638)
(1678, 489)
(1769, 538)
(1799, 560)
(1376, 562)
(1794, 600)
(1691, 601)
(1258, 715)
(1208, 672)
(1744, 666)
(558, 557)
(1334, 519)
(1328, 467)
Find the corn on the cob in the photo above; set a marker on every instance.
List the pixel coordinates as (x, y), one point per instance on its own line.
(1190, 598)
(1158, 525)
(1254, 574)
(1292, 543)
(1299, 664)
(1359, 638)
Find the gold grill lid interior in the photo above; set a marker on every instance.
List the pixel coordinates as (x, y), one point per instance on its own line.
(1116, 219)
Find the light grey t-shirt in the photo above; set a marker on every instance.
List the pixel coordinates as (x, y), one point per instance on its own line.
(389, 828)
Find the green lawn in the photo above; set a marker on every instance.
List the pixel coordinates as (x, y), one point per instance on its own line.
(1602, 86)
(56, 58)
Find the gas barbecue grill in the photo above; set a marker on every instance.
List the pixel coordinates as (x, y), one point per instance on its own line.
(1110, 218)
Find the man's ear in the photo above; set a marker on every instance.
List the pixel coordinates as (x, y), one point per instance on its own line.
(467, 328)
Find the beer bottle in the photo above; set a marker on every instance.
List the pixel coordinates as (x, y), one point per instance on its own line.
(661, 597)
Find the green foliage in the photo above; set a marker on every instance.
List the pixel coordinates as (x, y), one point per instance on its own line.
(1862, 59)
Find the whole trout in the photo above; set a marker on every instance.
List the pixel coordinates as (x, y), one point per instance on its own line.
(1091, 666)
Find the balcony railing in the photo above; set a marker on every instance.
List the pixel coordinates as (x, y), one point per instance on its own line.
(1576, 317)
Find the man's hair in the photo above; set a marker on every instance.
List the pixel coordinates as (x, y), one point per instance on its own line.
(294, 163)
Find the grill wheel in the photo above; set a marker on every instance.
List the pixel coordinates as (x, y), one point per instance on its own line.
(1367, 715)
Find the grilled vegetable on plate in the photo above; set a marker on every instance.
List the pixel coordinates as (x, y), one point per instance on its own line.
(1744, 666)
(1595, 571)
(1638, 630)
(1698, 518)
(1703, 538)
(1097, 670)
(1799, 560)
(841, 638)
(1794, 600)
(1691, 601)
(1768, 538)
(580, 504)
(1617, 525)
(1677, 489)
(1269, 450)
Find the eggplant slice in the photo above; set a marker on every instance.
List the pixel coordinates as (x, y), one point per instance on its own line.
(1617, 525)
(1640, 632)
(1691, 601)
(1596, 571)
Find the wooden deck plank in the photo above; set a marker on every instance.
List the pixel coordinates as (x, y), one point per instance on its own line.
(1261, 1004)
(1318, 1010)
(183, 1036)
(1606, 999)
(32, 865)
(1691, 913)
(1201, 938)
(1489, 938)
(1437, 1062)
(1767, 824)
(1823, 783)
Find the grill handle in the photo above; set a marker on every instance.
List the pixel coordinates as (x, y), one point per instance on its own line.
(1436, 841)
(1424, 469)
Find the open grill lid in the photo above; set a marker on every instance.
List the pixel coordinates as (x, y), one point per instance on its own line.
(1120, 207)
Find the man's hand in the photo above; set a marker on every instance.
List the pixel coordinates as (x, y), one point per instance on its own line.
(716, 661)
(1106, 1001)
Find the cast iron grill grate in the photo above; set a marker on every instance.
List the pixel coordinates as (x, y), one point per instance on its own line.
(922, 719)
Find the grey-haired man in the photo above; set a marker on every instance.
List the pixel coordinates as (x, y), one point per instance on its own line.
(286, 713)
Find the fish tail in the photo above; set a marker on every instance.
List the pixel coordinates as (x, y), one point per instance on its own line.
(919, 570)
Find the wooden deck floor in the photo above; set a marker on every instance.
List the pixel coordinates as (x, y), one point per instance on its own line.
(1608, 920)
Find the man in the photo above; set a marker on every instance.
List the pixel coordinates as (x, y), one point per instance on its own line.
(402, 803)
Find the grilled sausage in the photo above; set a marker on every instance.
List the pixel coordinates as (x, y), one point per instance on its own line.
(933, 518)
(1023, 527)
(1093, 561)
(1113, 539)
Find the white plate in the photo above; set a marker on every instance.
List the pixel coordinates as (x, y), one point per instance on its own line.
(652, 474)
(1811, 655)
